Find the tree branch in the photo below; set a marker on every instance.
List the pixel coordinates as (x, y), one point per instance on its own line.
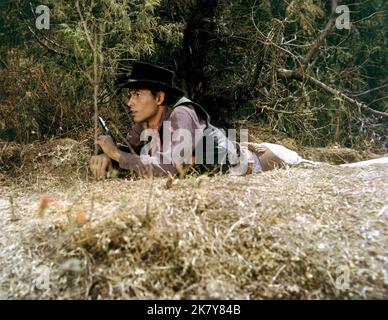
(290, 74)
(265, 107)
(45, 44)
(96, 75)
(84, 25)
(329, 25)
(370, 90)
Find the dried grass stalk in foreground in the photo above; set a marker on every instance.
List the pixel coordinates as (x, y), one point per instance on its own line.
(294, 233)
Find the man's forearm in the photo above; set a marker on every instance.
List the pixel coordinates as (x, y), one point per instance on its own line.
(134, 163)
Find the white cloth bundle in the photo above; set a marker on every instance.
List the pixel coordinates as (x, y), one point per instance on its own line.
(288, 156)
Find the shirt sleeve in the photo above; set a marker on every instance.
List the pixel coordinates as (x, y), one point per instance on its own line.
(133, 136)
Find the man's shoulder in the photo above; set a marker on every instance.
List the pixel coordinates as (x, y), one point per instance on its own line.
(186, 116)
(184, 111)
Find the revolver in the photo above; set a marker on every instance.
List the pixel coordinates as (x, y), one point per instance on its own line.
(107, 132)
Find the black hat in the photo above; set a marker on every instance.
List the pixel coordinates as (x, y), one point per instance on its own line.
(149, 76)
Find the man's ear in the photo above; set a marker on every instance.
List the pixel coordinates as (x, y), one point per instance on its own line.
(160, 98)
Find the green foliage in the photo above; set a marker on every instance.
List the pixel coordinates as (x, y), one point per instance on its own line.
(126, 30)
(278, 34)
(225, 54)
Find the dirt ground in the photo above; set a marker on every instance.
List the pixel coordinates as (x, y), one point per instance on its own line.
(300, 233)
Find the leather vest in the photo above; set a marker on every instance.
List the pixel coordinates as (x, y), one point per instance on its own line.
(211, 151)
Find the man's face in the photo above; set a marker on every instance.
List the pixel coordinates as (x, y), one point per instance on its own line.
(143, 105)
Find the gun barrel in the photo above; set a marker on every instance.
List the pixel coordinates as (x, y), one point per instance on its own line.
(103, 125)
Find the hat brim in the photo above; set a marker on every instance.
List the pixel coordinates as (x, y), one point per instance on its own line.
(151, 85)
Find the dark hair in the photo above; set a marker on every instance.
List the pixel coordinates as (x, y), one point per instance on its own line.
(169, 99)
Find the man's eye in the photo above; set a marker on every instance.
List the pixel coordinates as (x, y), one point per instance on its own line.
(136, 95)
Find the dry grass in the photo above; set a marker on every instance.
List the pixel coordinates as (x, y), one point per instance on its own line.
(280, 234)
